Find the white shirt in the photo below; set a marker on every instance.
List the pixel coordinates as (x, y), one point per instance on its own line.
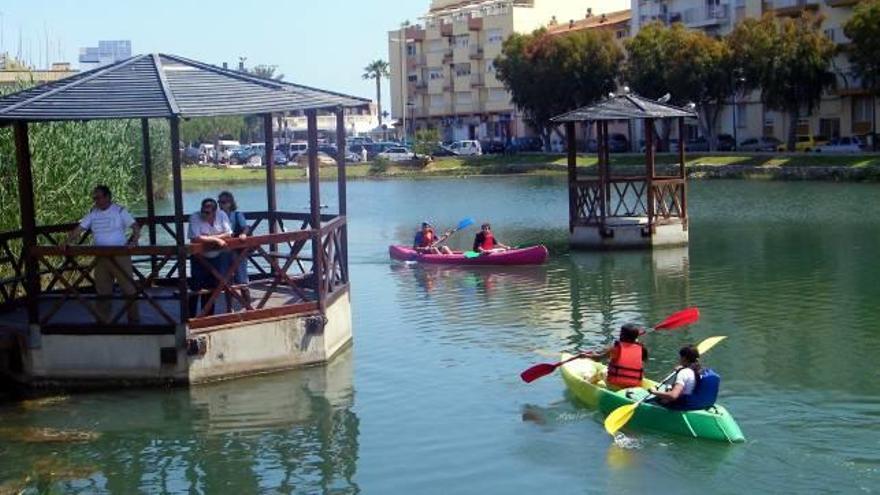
(687, 379)
(199, 227)
(108, 226)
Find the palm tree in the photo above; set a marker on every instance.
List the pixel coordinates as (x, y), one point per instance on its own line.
(377, 70)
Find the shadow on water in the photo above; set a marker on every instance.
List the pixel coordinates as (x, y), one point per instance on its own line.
(293, 431)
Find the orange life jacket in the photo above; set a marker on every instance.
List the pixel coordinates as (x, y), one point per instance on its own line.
(627, 370)
(488, 241)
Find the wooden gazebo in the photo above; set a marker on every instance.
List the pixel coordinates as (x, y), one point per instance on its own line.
(625, 211)
(298, 310)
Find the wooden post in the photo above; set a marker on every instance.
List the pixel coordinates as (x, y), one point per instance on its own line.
(315, 205)
(28, 219)
(604, 171)
(571, 145)
(177, 183)
(271, 198)
(682, 174)
(649, 170)
(341, 183)
(148, 183)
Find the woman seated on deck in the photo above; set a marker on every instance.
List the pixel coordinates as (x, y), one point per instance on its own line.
(427, 242)
(209, 226)
(485, 241)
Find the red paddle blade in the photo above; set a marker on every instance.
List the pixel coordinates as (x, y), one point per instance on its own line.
(680, 319)
(537, 371)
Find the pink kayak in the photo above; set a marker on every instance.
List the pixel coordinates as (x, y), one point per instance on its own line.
(534, 255)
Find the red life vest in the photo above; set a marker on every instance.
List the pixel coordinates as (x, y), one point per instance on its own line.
(488, 241)
(627, 370)
(428, 238)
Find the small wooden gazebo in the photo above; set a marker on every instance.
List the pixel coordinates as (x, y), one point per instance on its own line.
(298, 308)
(625, 211)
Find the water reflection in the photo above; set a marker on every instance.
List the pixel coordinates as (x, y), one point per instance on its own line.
(285, 432)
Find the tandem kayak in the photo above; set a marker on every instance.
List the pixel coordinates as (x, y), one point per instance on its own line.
(584, 379)
(534, 255)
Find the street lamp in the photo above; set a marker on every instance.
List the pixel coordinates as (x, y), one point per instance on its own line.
(738, 79)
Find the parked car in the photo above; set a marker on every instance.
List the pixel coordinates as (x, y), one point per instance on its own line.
(466, 148)
(191, 154)
(492, 147)
(360, 140)
(324, 160)
(618, 143)
(441, 150)
(724, 142)
(397, 154)
(374, 149)
(766, 143)
(525, 144)
(279, 158)
(697, 144)
(842, 145)
(293, 150)
(243, 155)
(804, 142)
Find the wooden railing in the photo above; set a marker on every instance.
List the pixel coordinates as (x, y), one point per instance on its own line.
(281, 272)
(595, 203)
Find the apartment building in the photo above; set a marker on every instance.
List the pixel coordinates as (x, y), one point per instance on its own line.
(846, 111)
(443, 73)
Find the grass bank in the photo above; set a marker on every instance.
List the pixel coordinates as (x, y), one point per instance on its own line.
(733, 165)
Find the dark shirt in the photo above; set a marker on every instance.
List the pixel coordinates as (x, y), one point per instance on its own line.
(480, 237)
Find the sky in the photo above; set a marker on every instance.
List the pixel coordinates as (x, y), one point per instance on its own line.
(321, 43)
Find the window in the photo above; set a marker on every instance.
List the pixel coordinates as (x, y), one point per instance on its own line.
(438, 101)
(412, 77)
(829, 127)
(410, 49)
(462, 41)
(494, 37)
(861, 114)
(464, 98)
(435, 74)
(490, 67)
(462, 70)
(497, 95)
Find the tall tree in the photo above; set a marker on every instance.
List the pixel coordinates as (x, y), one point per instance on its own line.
(378, 70)
(690, 65)
(788, 59)
(551, 74)
(863, 29)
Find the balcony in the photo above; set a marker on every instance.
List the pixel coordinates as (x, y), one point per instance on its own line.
(708, 15)
(790, 7)
(446, 29)
(415, 33)
(838, 36)
(476, 53)
(475, 24)
(477, 81)
(850, 84)
(841, 3)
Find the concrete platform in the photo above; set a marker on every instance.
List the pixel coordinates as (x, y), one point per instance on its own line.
(629, 233)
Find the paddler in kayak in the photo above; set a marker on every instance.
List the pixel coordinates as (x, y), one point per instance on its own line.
(626, 366)
(427, 242)
(485, 241)
(694, 387)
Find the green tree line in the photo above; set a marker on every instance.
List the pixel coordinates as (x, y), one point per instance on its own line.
(789, 60)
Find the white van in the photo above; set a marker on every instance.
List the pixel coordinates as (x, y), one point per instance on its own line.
(466, 148)
(225, 148)
(296, 149)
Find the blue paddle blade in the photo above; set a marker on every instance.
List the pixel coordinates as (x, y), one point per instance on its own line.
(467, 222)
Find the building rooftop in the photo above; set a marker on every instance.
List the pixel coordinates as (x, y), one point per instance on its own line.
(592, 22)
(164, 86)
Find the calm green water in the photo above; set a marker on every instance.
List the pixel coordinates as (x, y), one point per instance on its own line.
(429, 400)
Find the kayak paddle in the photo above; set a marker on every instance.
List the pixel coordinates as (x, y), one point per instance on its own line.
(463, 224)
(675, 320)
(621, 416)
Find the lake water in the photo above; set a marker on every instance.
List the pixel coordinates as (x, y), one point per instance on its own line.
(428, 399)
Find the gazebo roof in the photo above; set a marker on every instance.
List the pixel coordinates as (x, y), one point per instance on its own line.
(623, 107)
(164, 86)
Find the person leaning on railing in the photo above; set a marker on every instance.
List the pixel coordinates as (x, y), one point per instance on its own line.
(209, 226)
(240, 230)
(108, 223)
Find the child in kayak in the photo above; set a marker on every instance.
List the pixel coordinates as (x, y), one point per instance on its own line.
(427, 242)
(627, 357)
(694, 387)
(485, 241)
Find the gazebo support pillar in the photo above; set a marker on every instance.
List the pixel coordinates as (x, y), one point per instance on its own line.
(271, 198)
(682, 174)
(571, 146)
(148, 185)
(341, 148)
(177, 184)
(28, 219)
(315, 204)
(649, 172)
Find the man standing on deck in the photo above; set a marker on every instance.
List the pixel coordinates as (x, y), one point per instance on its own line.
(109, 222)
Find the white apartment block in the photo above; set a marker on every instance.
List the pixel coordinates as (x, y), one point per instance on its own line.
(846, 111)
(442, 70)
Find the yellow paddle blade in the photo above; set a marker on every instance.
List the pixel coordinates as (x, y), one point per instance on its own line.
(704, 346)
(619, 417)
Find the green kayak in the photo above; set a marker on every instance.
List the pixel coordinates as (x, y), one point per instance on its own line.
(584, 378)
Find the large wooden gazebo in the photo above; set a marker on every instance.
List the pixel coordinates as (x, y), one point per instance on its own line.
(298, 309)
(625, 211)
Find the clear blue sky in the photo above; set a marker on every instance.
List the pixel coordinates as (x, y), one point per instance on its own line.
(323, 43)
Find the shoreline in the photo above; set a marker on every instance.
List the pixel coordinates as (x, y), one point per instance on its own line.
(855, 168)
